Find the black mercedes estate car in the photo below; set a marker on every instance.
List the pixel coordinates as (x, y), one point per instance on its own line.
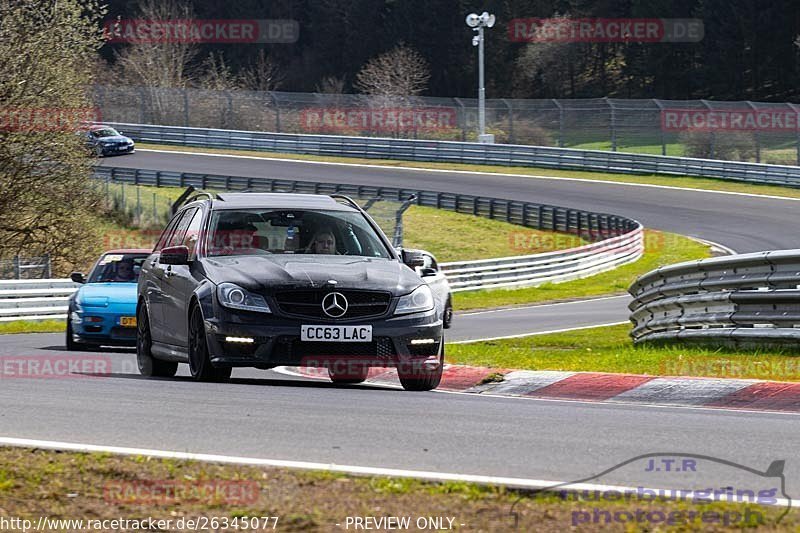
(264, 280)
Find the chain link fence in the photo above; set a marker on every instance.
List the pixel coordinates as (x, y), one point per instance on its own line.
(25, 267)
(637, 126)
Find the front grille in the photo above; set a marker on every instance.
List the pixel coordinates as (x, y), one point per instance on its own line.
(291, 348)
(308, 303)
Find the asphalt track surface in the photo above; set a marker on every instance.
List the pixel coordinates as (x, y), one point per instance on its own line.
(268, 415)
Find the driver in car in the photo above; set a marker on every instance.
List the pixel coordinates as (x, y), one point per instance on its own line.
(124, 272)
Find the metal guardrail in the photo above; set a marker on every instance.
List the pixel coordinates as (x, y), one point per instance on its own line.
(748, 299)
(620, 239)
(463, 152)
(550, 267)
(35, 299)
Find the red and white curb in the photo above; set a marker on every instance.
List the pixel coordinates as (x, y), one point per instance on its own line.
(604, 387)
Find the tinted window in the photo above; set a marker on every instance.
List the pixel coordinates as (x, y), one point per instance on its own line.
(162, 241)
(259, 231)
(193, 231)
(180, 230)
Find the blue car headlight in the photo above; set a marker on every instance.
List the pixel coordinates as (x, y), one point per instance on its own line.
(417, 301)
(234, 297)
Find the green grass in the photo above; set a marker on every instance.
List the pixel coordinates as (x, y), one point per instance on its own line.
(610, 349)
(709, 184)
(97, 487)
(660, 249)
(457, 237)
(32, 326)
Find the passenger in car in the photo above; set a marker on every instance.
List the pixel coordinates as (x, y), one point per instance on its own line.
(323, 243)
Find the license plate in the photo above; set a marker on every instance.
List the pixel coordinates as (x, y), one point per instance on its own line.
(127, 321)
(336, 333)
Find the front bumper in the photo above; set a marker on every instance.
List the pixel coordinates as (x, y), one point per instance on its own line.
(276, 341)
(113, 150)
(107, 331)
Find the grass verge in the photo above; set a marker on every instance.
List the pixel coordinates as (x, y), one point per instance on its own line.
(448, 235)
(610, 349)
(660, 249)
(98, 487)
(32, 326)
(708, 184)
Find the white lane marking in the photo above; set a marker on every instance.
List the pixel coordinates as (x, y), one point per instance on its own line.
(514, 482)
(531, 334)
(727, 249)
(477, 173)
(534, 306)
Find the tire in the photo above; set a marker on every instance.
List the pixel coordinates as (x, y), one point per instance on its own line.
(73, 346)
(199, 363)
(351, 377)
(419, 378)
(148, 365)
(447, 317)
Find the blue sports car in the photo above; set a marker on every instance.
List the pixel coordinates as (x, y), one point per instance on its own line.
(103, 310)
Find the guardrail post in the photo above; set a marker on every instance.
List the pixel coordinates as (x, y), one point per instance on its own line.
(613, 124)
(46, 273)
(17, 270)
(560, 123)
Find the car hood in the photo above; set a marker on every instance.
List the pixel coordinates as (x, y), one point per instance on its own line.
(297, 271)
(105, 294)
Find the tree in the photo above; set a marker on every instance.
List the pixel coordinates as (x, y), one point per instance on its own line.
(401, 72)
(263, 75)
(47, 202)
(159, 65)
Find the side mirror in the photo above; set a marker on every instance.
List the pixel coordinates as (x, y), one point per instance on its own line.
(77, 277)
(412, 258)
(175, 255)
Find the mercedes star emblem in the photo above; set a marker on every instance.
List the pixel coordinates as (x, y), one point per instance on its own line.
(334, 304)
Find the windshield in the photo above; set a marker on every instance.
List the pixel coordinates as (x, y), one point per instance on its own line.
(117, 268)
(314, 232)
(105, 132)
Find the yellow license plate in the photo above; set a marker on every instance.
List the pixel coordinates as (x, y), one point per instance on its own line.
(128, 321)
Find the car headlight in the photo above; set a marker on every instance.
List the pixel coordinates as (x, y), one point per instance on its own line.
(235, 297)
(419, 300)
(77, 311)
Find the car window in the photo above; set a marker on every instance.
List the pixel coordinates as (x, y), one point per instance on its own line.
(180, 230)
(117, 268)
(296, 231)
(193, 231)
(164, 238)
(105, 132)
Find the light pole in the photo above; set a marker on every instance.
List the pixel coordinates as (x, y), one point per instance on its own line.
(477, 23)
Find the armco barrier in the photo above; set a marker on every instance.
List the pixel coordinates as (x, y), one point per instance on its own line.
(620, 239)
(749, 299)
(463, 152)
(35, 299)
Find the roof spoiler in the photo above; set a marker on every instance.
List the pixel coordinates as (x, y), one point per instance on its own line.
(187, 197)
